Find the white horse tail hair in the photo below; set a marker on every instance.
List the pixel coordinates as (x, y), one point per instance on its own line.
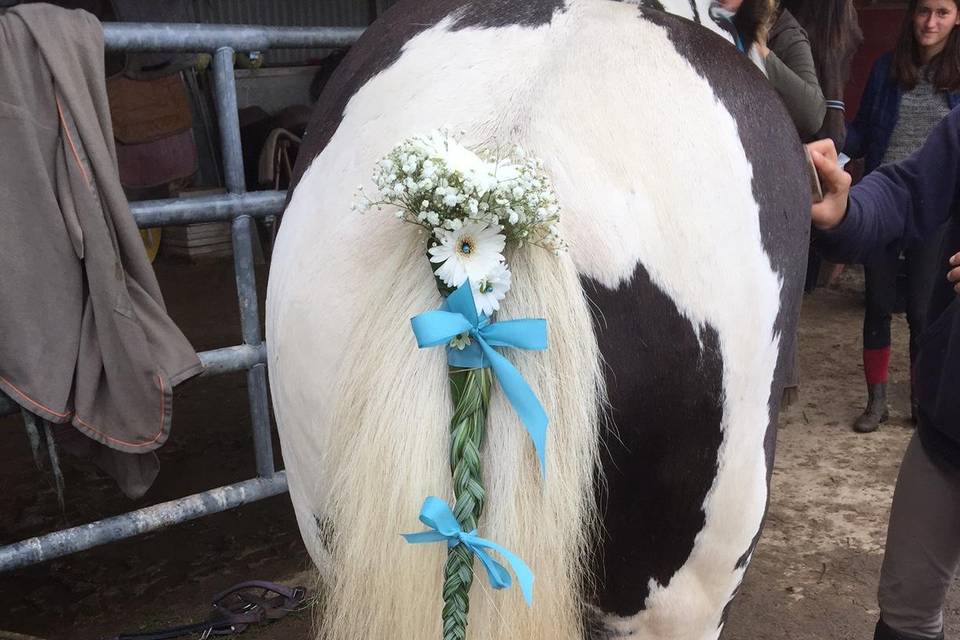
(387, 449)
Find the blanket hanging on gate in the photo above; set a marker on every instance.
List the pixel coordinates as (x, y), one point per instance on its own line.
(84, 334)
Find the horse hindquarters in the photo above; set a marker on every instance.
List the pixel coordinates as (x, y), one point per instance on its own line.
(363, 415)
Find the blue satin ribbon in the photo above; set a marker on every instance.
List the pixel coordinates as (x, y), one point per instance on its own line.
(437, 515)
(435, 328)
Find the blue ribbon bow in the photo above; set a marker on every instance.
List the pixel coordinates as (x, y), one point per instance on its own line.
(435, 328)
(437, 515)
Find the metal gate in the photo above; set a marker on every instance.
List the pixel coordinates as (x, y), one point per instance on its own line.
(236, 206)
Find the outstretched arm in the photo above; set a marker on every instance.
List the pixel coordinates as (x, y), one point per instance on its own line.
(906, 199)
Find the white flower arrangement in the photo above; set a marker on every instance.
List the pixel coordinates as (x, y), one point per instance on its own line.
(473, 203)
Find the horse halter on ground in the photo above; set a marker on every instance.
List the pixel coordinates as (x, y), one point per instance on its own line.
(242, 605)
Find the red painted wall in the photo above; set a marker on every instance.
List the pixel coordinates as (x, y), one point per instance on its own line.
(881, 26)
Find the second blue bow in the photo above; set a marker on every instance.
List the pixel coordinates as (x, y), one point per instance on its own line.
(435, 328)
(445, 528)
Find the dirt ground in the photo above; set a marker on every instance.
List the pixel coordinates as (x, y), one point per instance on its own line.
(813, 575)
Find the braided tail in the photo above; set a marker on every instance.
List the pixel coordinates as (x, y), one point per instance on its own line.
(471, 397)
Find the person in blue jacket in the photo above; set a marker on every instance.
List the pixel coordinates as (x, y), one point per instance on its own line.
(910, 89)
(912, 198)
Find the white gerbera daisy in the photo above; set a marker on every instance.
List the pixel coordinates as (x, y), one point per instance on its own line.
(472, 251)
(489, 291)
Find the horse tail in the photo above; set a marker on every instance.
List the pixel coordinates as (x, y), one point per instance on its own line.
(387, 449)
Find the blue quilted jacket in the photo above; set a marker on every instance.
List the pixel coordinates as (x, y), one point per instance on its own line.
(869, 133)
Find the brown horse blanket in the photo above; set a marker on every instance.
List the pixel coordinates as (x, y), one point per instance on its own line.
(84, 334)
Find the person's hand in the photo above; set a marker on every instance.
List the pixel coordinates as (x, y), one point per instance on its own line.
(761, 45)
(835, 183)
(954, 274)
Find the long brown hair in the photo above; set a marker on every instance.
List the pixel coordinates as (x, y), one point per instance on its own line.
(834, 32)
(754, 18)
(944, 68)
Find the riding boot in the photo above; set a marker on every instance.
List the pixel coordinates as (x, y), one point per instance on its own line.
(876, 411)
(883, 632)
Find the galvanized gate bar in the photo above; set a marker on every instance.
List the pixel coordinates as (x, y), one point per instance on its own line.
(250, 324)
(230, 359)
(241, 208)
(158, 213)
(128, 36)
(228, 119)
(127, 525)
(242, 228)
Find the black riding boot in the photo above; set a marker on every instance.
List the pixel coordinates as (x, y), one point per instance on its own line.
(883, 632)
(876, 411)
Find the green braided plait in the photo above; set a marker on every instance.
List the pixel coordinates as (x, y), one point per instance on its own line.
(471, 397)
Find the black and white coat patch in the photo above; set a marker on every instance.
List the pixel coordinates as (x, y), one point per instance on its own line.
(683, 192)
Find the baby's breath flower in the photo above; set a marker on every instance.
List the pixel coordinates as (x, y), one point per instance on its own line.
(436, 182)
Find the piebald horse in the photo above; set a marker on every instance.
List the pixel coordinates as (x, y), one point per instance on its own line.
(686, 208)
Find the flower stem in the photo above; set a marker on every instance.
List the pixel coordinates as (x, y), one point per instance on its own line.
(471, 398)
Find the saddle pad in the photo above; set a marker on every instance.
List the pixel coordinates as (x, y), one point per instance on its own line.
(151, 164)
(148, 110)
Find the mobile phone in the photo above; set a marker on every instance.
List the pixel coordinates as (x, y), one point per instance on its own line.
(816, 190)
